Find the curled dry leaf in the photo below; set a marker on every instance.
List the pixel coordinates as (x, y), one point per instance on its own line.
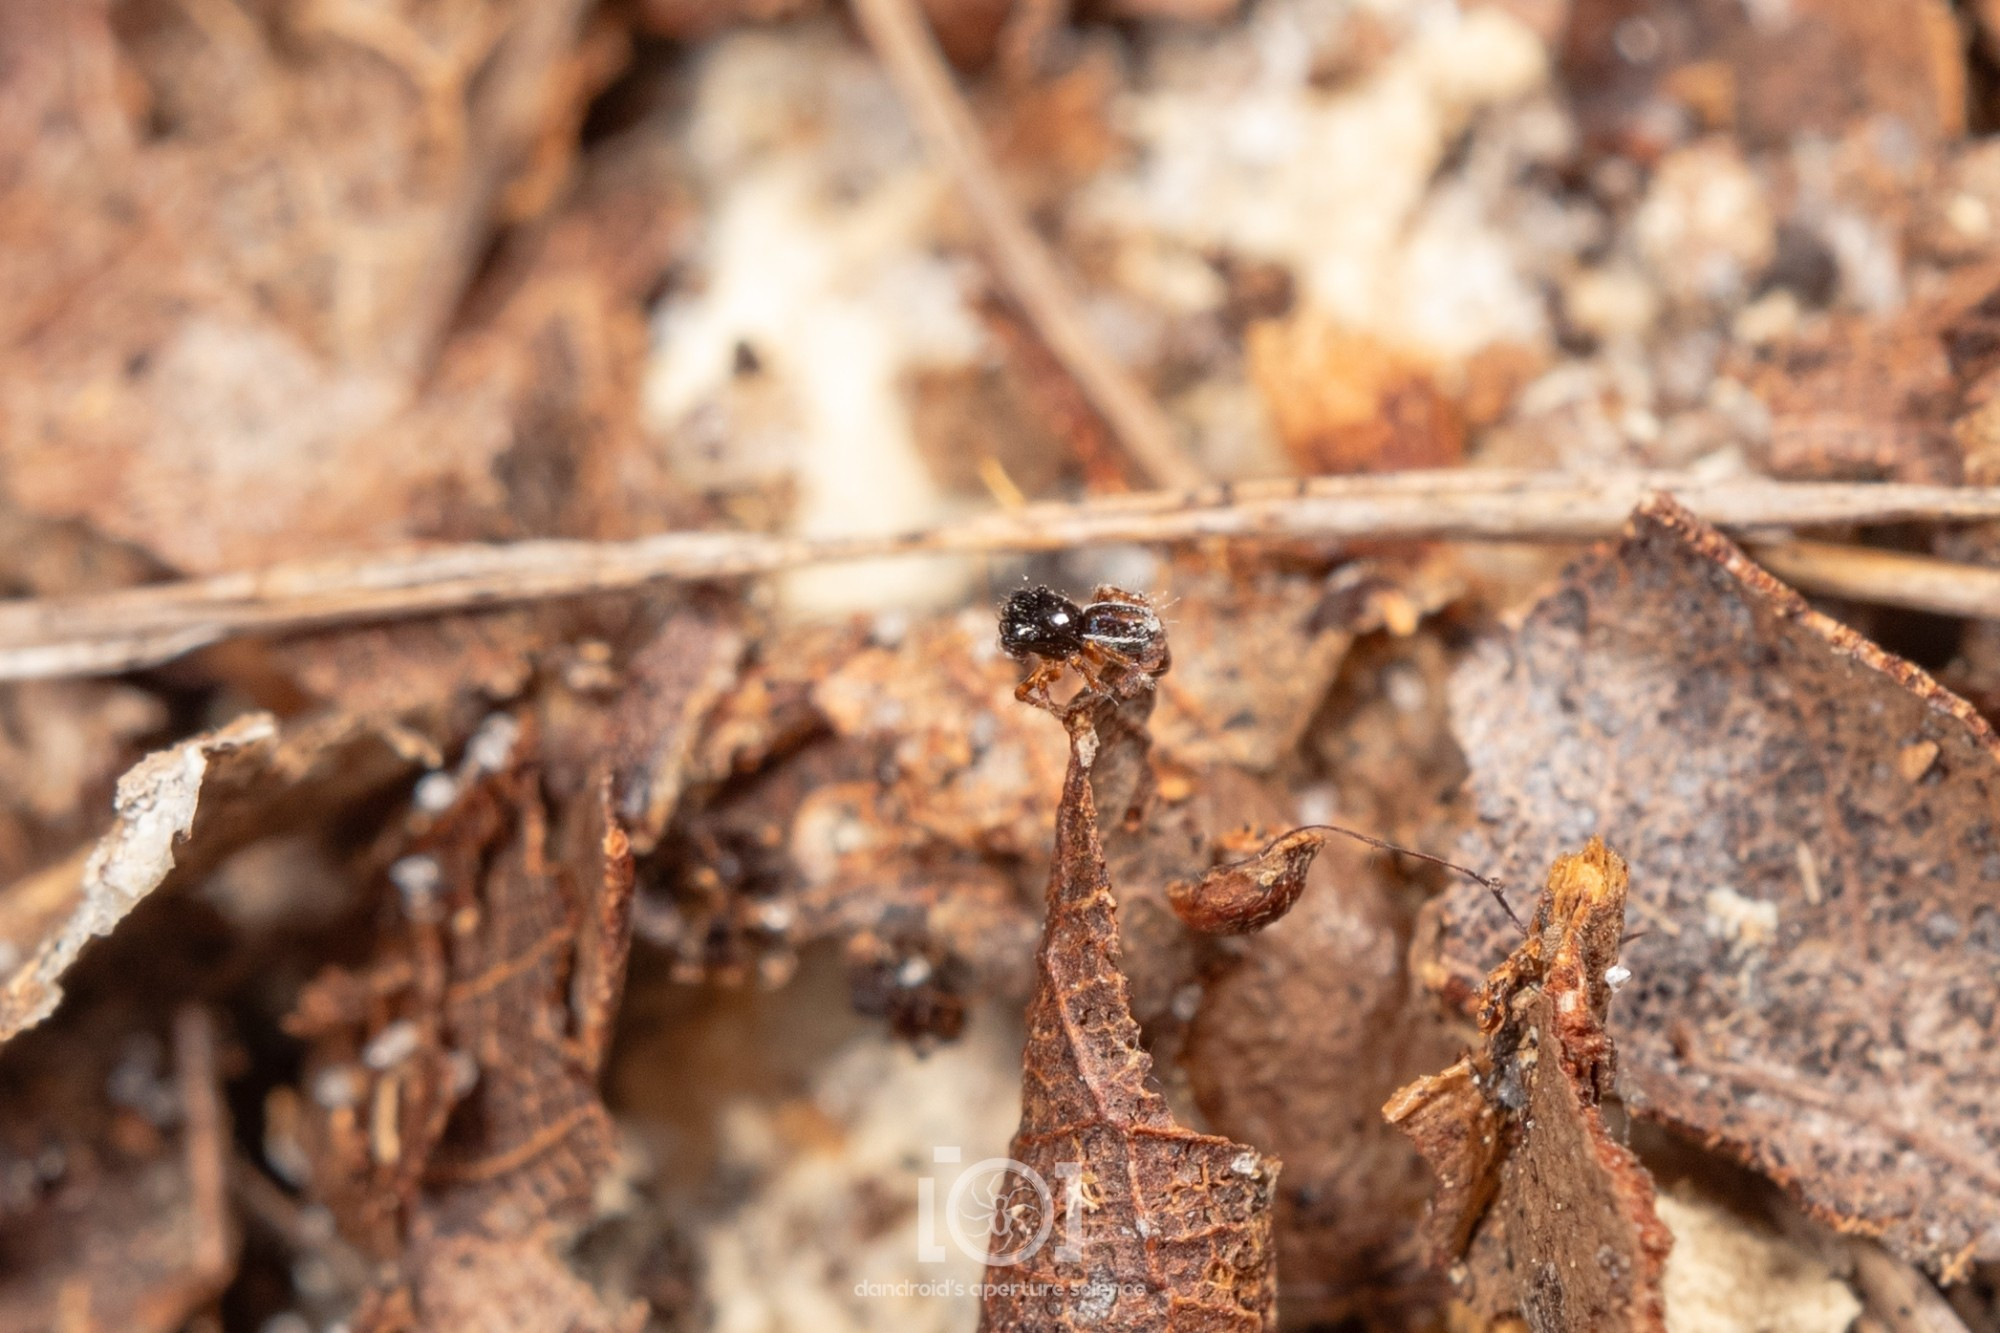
(671, 684)
(1813, 989)
(1247, 895)
(1152, 1226)
(181, 808)
(1558, 1215)
(1239, 897)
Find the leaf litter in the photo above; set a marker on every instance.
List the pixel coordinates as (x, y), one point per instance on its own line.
(1550, 1214)
(1809, 822)
(359, 275)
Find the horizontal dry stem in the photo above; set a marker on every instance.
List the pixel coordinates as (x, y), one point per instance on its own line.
(143, 626)
(1897, 578)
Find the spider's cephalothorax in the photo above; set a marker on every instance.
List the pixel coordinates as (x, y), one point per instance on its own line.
(1117, 634)
(1041, 622)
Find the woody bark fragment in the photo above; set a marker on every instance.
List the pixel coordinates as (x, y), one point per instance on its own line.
(1554, 1214)
(1153, 1225)
(1810, 824)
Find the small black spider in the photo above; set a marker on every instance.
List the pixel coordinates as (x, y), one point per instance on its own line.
(1117, 629)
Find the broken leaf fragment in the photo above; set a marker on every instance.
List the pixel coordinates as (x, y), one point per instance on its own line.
(1813, 987)
(455, 1128)
(182, 808)
(1303, 1030)
(1145, 1225)
(1553, 1215)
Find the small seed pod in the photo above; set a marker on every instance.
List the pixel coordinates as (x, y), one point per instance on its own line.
(1244, 896)
(1248, 895)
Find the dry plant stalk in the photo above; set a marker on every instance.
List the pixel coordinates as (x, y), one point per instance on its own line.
(137, 627)
(916, 68)
(1894, 578)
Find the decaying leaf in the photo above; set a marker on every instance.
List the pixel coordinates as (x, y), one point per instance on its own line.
(62, 746)
(455, 1126)
(1863, 399)
(1245, 896)
(1251, 662)
(1343, 401)
(1558, 1214)
(672, 683)
(1239, 897)
(1148, 1224)
(234, 250)
(1812, 68)
(183, 807)
(1810, 823)
(1300, 1036)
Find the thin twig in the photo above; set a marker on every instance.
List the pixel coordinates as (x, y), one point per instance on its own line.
(916, 68)
(1866, 574)
(143, 626)
(205, 1128)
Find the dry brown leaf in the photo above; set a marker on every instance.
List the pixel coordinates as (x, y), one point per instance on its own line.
(233, 244)
(1149, 1225)
(454, 1125)
(181, 808)
(1862, 400)
(670, 686)
(62, 746)
(881, 786)
(1813, 988)
(1815, 67)
(1343, 402)
(1251, 663)
(876, 791)
(1559, 1215)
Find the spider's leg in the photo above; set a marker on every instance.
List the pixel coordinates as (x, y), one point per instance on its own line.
(1035, 689)
(1097, 658)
